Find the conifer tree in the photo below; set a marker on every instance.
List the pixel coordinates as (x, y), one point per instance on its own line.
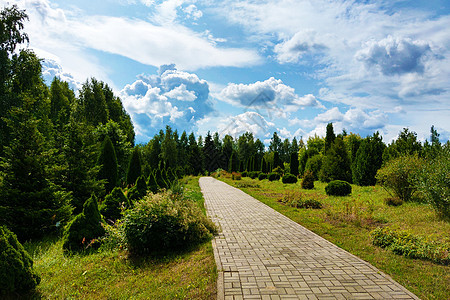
(336, 164)
(108, 165)
(152, 184)
(294, 163)
(329, 138)
(276, 160)
(134, 167)
(369, 159)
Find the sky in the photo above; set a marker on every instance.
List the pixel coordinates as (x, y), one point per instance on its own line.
(259, 66)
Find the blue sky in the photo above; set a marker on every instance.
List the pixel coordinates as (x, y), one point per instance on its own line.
(259, 66)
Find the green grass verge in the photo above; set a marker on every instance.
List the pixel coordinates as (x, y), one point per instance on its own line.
(347, 222)
(111, 274)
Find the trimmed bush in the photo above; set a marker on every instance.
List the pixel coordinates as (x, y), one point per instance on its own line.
(244, 174)
(16, 266)
(297, 200)
(308, 180)
(253, 174)
(83, 231)
(161, 222)
(273, 177)
(111, 207)
(338, 188)
(262, 176)
(289, 178)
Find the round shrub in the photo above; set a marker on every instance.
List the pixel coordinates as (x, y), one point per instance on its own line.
(111, 207)
(244, 174)
(289, 178)
(308, 180)
(253, 174)
(262, 176)
(338, 188)
(273, 176)
(161, 222)
(16, 266)
(83, 231)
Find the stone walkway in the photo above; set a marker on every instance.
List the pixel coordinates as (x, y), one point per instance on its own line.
(262, 254)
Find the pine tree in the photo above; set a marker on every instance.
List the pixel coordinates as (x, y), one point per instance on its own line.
(336, 164)
(134, 167)
(369, 159)
(108, 165)
(294, 163)
(329, 138)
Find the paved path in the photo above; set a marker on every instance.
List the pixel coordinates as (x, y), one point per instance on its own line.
(262, 254)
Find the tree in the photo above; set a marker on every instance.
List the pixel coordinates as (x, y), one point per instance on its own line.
(329, 138)
(30, 204)
(108, 165)
(369, 159)
(195, 160)
(169, 148)
(275, 143)
(227, 150)
(233, 163)
(285, 151)
(134, 167)
(431, 150)
(405, 144)
(294, 163)
(352, 142)
(336, 164)
(92, 102)
(276, 160)
(211, 154)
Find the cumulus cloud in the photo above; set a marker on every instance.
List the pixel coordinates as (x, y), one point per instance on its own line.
(249, 121)
(301, 43)
(172, 97)
(395, 56)
(271, 93)
(51, 69)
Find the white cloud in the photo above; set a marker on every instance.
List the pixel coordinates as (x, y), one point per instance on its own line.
(51, 69)
(270, 94)
(301, 43)
(249, 121)
(172, 97)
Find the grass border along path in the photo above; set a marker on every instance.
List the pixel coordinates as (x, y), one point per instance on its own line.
(348, 221)
(110, 274)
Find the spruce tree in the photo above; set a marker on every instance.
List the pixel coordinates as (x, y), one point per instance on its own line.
(111, 207)
(336, 164)
(276, 160)
(134, 167)
(152, 184)
(369, 159)
(329, 138)
(108, 165)
(294, 163)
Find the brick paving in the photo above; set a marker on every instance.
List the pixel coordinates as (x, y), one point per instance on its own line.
(262, 254)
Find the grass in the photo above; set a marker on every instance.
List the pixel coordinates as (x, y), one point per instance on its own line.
(111, 274)
(347, 222)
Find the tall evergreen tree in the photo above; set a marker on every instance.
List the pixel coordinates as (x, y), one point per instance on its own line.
(275, 143)
(108, 165)
(336, 164)
(369, 159)
(276, 160)
(227, 150)
(211, 154)
(294, 163)
(329, 138)
(134, 167)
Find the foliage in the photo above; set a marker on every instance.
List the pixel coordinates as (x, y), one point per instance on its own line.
(16, 266)
(368, 160)
(134, 167)
(236, 176)
(244, 174)
(434, 182)
(336, 163)
(113, 204)
(162, 222)
(253, 174)
(152, 184)
(308, 181)
(289, 178)
(262, 176)
(294, 163)
(412, 246)
(273, 176)
(108, 165)
(277, 163)
(138, 191)
(83, 232)
(338, 188)
(393, 201)
(299, 200)
(329, 138)
(405, 144)
(398, 176)
(314, 165)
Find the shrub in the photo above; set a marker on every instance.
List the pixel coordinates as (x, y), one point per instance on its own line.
(294, 163)
(83, 231)
(16, 266)
(253, 174)
(336, 163)
(338, 188)
(274, 176)
(278, 170)
(296, 199)
(111, 208)
(152, 184)
(262, 176)
(398, 176)
(409, 245)
(244, 174)
(314, 164)
(134, 167)
(393, 201)
(235, 176)
(308, 181)
(107, 161)
(160, 222)
(289, 178)
(434, 183)
(368, 160)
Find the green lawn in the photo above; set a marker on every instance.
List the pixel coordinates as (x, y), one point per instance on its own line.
(347, 222)
(111, 274)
